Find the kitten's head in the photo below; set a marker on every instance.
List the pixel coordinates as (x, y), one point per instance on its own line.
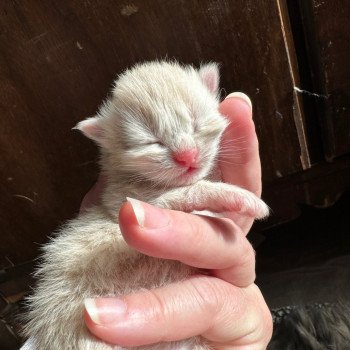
(161, 124)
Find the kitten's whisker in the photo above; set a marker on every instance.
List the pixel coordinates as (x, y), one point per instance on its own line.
(233, 151)
(227, 145)
(233, 147)
(237, 139)
(231, 154)
(231, 163)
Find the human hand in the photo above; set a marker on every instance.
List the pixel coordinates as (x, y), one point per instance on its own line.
(224, 307)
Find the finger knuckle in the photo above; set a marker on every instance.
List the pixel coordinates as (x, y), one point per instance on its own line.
(264, 326)
(208, 293)
(194, 236)
(268, 325)
(158, 308)
(246, 256)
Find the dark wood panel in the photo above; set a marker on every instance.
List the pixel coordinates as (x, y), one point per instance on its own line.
(59, 58)
(320, 187)
(298, 105)
(326, 25)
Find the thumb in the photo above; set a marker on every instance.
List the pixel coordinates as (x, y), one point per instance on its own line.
(240, 161)
(201, 305)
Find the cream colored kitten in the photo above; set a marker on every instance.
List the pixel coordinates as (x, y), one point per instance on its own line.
(159, 134)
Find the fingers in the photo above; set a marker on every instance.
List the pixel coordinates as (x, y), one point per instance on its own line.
(198, 241)
(226, 315)
(240, 161)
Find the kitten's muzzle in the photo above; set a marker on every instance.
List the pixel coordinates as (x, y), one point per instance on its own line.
(186, 158)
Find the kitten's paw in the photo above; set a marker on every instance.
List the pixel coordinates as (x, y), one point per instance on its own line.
(239, 200)
(253, 206)
(217, 197)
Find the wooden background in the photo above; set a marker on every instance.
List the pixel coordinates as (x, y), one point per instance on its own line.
(327, 37)
(58, 60)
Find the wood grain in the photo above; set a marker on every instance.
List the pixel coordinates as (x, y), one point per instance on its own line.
(326, 26)
(58, 60)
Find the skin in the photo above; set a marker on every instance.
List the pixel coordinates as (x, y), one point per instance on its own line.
(223, 305)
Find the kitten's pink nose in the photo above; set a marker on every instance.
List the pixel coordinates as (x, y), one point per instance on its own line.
(186, 157)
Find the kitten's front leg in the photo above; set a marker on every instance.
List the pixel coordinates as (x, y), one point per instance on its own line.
(214, 196)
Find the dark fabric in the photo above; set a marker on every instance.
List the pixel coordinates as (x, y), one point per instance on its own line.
(312, 327)
(323, 283)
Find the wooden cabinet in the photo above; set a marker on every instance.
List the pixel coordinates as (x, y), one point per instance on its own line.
(59, 58)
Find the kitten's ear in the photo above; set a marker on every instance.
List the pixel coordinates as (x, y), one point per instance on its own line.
(209, 74)
(91, 128)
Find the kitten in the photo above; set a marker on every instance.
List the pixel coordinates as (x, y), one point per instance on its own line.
(159, 135)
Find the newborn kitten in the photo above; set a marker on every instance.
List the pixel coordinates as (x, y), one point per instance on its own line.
(159, 134)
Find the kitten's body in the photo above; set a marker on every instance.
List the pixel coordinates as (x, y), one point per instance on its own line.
(156, 109)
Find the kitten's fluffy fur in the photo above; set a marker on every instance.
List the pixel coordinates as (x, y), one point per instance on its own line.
(155, 108)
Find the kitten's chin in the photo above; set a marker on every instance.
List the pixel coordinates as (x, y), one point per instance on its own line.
(185, 179)
(190, 177)
(177, 177)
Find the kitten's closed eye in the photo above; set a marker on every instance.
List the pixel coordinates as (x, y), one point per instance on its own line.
(151, 143)
(160, 143)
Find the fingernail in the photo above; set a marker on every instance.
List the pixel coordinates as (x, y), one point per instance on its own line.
(104, 311)
(147, 215)
(241, 96)
(138, 210)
